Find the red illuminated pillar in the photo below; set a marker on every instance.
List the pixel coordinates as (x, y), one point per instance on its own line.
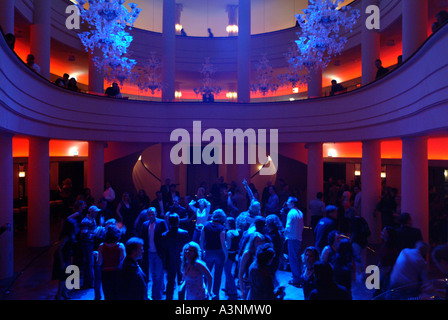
(6, 213)
(95, 169)
(39, 192)
(371, 186)
(40, 37)
(370, 45)
(415, 25)
(315, 173)
(414, 182)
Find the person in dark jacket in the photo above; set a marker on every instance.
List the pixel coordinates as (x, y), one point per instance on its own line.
(326, 287)
(132, 283)
(173, 241)
(325, 226)
(152, 231)
(407, 236)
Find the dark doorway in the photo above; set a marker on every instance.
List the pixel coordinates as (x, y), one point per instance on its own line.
(334, 170)
(74, 170)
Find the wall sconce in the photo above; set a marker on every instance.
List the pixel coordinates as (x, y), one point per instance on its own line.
(178, 28)
(295, 90)
(22, 174)
(383, 175)
(332, 153)
(357, 173)
(445, 173)
(177, 94)
(232, 29)
(74, 152)
(231, 95)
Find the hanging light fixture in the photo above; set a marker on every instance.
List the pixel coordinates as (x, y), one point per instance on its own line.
(319, 39)
(107, 21)
(265, 83)
(294, 75)
(147, 75)
(207, 88)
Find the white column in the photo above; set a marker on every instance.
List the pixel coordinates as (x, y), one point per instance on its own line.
(414, 182)
(95, 169)
(371, 186)
(40, 37)
(169, 50)
(7, 16)
(39, 193)
(415, 25)
(315, 174)
(315, 84)
(243, 54)
(6, 213)
(370, 46)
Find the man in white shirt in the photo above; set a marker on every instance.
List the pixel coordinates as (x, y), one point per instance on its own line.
(109, 193)
(293, 234)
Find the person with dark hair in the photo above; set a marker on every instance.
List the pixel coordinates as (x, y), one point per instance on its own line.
(30, 62)
(213, 242)
(132, 280)
(326, 287)
(359, 234)
(293, 234)
(113, 91)
(152, 231)
(256, 239)
(308, 277)
(160, 205)
(127, 214)
(63, 82)
(10, 40)
(442, 18)
(336, 88)
(343, 265)
(407, 235)
(173, 241)
(273, 231)
(233, 237)
(62, 259)
(411, 270)
(317, 209)
(387, 256)
(72, 85)
(329, 251)
(261, 282)
(325, 226)
(210, 34)
(273, 203)
(87, 232)
(381, 70)
(111, 254)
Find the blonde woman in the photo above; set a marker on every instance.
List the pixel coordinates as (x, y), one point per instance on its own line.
(194, 270)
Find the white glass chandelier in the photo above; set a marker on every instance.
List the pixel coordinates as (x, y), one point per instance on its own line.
(319, 40)
(294, 75)
(107, 21)
(147, 76)
(266, 81)
(207, 70)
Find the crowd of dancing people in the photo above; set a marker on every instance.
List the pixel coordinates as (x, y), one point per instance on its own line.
(176, 248)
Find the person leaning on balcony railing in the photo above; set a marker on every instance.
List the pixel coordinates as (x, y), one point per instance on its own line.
(442, 19)
(113, 91)
(381, 70)
(336, 88)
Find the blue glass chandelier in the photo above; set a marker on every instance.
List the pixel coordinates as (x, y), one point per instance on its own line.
(207, 70)
(147, 76)
(319, 39)
(294, 75)
(265, 80)
(107, 21)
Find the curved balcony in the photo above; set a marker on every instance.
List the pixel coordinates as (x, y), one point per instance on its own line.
(411, 100)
